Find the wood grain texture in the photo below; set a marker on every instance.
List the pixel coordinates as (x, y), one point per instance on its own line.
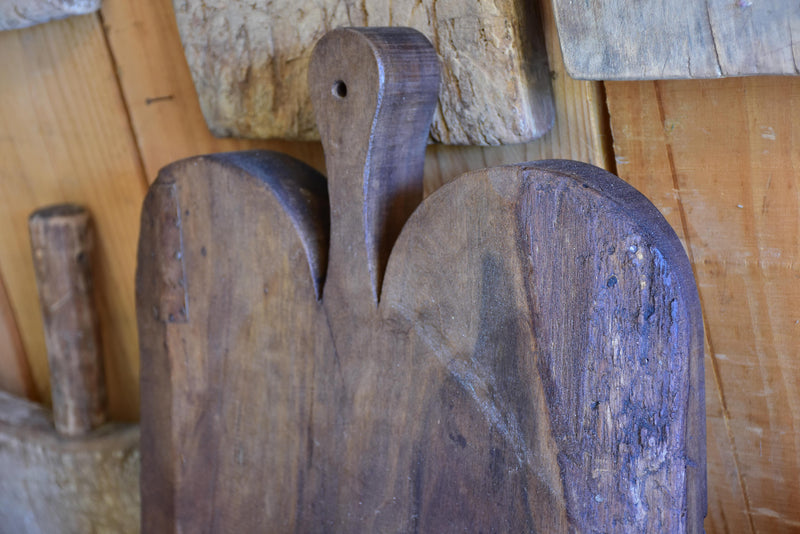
(440, 414)
(62, 242)
(15, 373)
(62, 103)
(67, 139)
(159, 93)
(594, 320)
(716, 157)
(51, 483)
(374, 92)
(249, 61)
(657, 39)
(452, 403)
(16, 14)
(579, 132)
(169, 125)
(244, 234)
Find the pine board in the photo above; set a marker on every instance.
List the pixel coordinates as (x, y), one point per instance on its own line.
(157, 121)
(67, 138)
(718, 159)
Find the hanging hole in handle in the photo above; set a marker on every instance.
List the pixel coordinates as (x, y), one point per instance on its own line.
(339, 89)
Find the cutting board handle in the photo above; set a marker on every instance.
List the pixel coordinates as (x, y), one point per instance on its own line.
(374, 91)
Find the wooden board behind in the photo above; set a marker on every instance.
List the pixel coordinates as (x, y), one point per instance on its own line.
(15, 14)
(67, 139)
(164, 110)
(168, 124)
(449, 406)
(657, 39)
(249, 60)
(162, 113)
(580, 131)
(719, 159)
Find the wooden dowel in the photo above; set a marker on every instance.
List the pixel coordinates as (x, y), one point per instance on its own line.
(62, 242)
(16, 14)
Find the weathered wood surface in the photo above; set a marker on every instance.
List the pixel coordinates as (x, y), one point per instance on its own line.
(65, 471)
(249, 61)
(658, 39)
(718, 158)
(66, 114)
(16, 14)
(534, 361)
(66, 138)
(247, 278)
(62, 242)
(52, 483)
(159, 94)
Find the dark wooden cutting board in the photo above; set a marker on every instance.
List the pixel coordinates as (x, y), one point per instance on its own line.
(520, 353)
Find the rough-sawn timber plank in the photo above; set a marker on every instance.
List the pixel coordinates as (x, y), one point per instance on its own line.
(249, 61)
(659, 39)
(66, 138)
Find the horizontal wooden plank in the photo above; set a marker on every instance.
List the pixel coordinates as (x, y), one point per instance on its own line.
(717, 157)
(169, 125)
(15, 14)
(67, 139)
(580, 131)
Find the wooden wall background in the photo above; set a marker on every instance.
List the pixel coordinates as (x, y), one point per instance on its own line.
(91, 107)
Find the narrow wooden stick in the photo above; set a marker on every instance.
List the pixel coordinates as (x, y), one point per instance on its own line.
(62, 242)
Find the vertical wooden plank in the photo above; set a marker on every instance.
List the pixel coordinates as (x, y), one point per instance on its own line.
(719, 158)
(157, 86)
(580, 130)
(669, 39)
(66, 138)
(15, 373)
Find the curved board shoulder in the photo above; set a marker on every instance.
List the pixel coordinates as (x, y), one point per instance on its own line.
(564, 306)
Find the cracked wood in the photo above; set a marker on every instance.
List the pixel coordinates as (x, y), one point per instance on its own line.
(656, 39)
